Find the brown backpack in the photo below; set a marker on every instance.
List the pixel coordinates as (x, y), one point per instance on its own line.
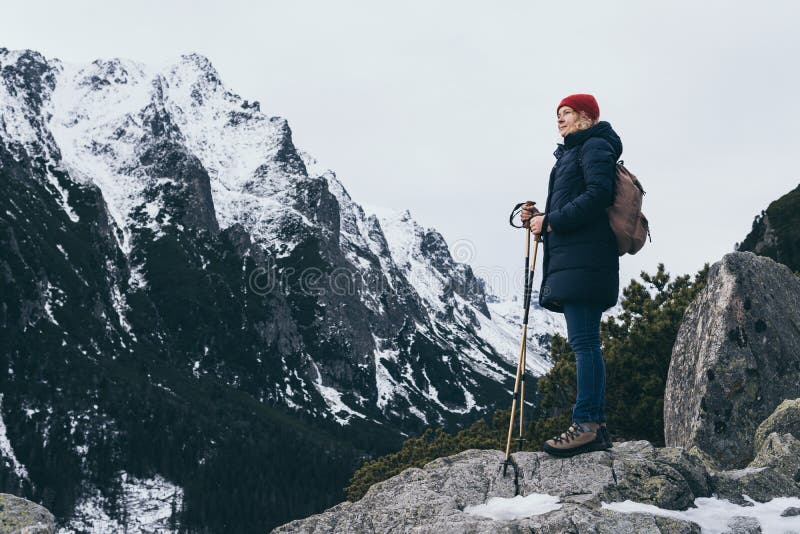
(625, 215)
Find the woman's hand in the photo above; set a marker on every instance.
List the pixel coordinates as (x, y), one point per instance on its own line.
(528, 211)
(536, 224)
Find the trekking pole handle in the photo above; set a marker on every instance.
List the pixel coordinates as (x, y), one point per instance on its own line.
(517, 209)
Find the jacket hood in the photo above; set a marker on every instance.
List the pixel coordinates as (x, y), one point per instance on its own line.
(601, 129)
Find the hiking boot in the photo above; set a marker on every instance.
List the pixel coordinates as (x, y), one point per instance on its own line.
(606, 436)
(579, 438)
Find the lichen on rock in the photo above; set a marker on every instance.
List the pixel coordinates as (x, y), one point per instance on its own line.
(735, 359)
(21, 516)
(785, 418)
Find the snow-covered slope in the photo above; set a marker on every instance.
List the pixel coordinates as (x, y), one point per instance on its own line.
(99, 122)
(435, 276)
(103, 119)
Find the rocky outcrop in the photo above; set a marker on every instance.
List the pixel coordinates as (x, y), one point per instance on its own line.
(440, 496)
(775, 472)
(775, 231)
(20, 516)
(435, 498)
(666, 477)
(785, 418)
(735, 359)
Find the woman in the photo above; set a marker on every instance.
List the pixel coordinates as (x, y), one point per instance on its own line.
(581, 265)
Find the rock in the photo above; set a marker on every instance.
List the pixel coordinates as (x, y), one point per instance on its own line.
(577, 519)
(743, 525)
(433, 495)
(791, 512)
(689, 466)
(758, 483)
(580, 479)
(785, 418)
(703, 458)
(646, 481)
(780, 450)
(667, 525)
(21, 516)
(630, 470)
(433, 499)
(781, 453)
(775, 231)
(774, 472)
(735, 359)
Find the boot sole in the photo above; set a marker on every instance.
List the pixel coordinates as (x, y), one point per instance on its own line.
(586, 447)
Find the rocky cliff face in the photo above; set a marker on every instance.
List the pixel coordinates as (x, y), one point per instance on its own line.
(188, 302)
(775, 231)
(736, 358)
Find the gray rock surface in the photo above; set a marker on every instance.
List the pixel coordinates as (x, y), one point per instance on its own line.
(631, 470)
(781, 451)
(759, 483)
(21, 516)
(774, 472)
(743, 525)
(433, 499)
(435, 494)
(735, 359)
(785, 418)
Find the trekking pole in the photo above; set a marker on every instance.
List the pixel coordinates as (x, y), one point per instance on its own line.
(520, 376)
(529, 291)
(515, 395)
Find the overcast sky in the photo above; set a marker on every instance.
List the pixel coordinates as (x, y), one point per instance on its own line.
(448, 108)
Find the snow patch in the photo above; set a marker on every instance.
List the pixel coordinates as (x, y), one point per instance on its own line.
(137, 279)
(62, 251)
(196, 369)
(18, 124)
(502, 508)
(333, 399)
(713, 514)
(118, 299)
(504, 332)
(50, 300)
(384, 383)
(97, 128)
(63, 197)
(404, 238)
(149, 504)
(6, 451)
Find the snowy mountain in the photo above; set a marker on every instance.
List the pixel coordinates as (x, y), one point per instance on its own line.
(163, 239)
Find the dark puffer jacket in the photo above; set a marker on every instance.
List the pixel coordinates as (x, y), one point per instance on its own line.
(580, 253)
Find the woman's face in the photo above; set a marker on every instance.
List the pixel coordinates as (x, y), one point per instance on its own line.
(567, 120)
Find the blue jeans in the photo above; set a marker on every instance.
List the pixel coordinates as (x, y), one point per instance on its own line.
(583, 334)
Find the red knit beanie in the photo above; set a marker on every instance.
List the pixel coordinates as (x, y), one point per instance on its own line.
(582, 102)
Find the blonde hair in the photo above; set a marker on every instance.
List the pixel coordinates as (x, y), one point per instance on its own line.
(584, 121)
